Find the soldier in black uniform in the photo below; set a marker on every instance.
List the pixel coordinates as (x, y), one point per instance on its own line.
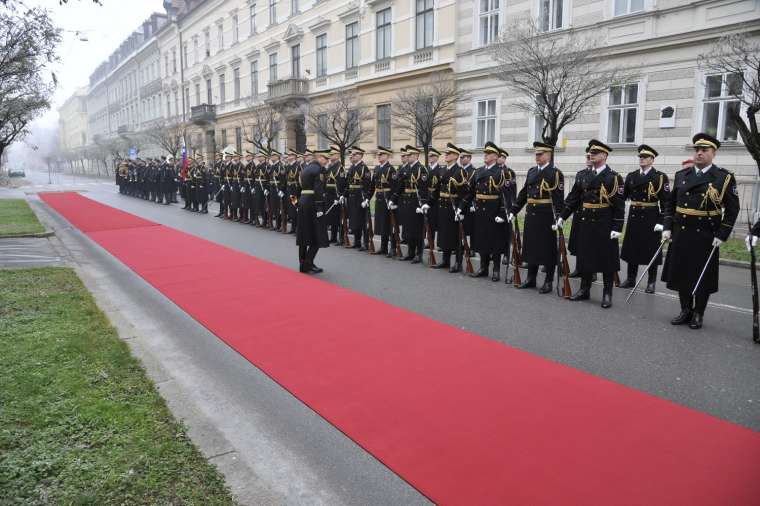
(335, 194)
(488, 186)
(201, 184)
(246, 188)
(383, 179)
(647, 189)
(575, 226)
(227, 175)
(510, 194)
(216, 181)
(260, 212)
(311, 233)
(451, 189)
(465, 161)
(542, 196)
(359, 180)
(598, 196)
(292, 173)
(699, 216)
(411, 197)
(276, 188)
(235, 180)
(435, 173)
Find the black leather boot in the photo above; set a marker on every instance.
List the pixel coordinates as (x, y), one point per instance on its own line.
(630, 281)
(696, 321)
(584, 292)
(445, 262)
(496, 276)
(548, 285)
(607, 294)
(651, 279)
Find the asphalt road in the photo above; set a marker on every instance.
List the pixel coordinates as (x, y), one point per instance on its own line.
(715, 370)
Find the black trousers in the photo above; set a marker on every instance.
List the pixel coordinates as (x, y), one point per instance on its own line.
(307, 254)
(533, 271)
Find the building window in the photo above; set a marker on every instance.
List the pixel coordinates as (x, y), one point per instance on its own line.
(168, 106)
(720, 102)
(197, 94)
(383, 34)
(196, 56)
(489, 21)
(254, 78)
(551, 14)
(236, 84)
(485, 121)
(176, 102)
(322, 142)
(166, 65)
(322, 55)
(384, 125)
(295, 61)
(621, 116)
(352, 45)
(253, 17)
(235, 29)
(222, 90)
(424, 23)
(294, 7)
(239, 140)
(207, 43)
(186, 105)
(220, 36)
(272, 12)
(628, 6)
(209, 95)
(272, 67)
(224, 138)
(174, 60)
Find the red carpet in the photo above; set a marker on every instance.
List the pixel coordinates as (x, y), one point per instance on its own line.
(464, 419)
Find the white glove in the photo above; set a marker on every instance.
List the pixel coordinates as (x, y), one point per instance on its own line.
(472, 208)
(280, 194)
(717, 242)
(342, 200)
(750, 241)
(336, 202)
(266, 192)
(458, 216)
(615, 235)
(558, 225)
(392, 206)
(418, 210)
(425, 208)
(658, 228)
(320, 214)
(510, 217)
(499, 219)
(666, 235)
(365, 203)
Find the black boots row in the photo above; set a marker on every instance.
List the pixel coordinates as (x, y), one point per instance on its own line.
(633, 271)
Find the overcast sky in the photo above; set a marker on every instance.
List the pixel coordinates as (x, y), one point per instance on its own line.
(105, 28)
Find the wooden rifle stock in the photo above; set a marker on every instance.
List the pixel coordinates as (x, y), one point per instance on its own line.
(517, 251)
(616, 279)
(396, 235)
(284, 215)
(344, 226)
(465, 248)
(431, 251)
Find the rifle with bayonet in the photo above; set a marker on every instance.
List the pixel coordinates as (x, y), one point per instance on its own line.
(753, 278)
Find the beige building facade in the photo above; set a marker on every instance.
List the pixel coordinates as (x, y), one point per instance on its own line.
(669, 99)
(73, 126)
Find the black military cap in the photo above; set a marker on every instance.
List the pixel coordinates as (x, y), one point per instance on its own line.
(412, 150)
(645, 150)
(503, 152)
(434, 152)
(705, 140)
(595, 145)
(542, 147)
(490, 147)
(452, 148)
(381, 150)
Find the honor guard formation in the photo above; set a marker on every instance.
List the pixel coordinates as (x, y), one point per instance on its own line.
(452, 209)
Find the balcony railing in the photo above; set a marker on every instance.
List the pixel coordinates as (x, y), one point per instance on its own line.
(288, 89)
(122, 129)
(423, 55)
(203, 114)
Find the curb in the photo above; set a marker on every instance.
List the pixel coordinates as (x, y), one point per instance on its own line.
(734, 263)
(46, 233)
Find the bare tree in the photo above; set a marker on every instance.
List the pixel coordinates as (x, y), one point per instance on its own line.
(557, 74)
(263, 126)
(28, 40)
(738, 56)
(341, 121)
(421, 112)
(168, 136)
